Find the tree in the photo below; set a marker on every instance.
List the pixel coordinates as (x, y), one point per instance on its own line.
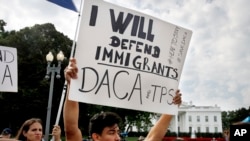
(2, 24)
(31, 100)
(230, 117)
(32, 44)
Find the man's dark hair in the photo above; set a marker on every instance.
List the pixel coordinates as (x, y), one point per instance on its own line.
(105, 119)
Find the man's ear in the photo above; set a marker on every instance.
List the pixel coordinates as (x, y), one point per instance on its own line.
(95, 136)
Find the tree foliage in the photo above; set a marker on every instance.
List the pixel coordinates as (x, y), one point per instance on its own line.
(31, 100)
(32, 44)
(230, 117)
(2, 24)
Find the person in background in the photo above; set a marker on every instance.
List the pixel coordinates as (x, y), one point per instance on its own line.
(6, 133)
(32, 130)
(226, 134)
(141, 138)
(56, 133)
(104, 126)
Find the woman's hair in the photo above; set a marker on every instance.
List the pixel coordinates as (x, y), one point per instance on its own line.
(105, 119)
(25, 128)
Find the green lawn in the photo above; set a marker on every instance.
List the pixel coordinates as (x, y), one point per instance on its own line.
(131, 138)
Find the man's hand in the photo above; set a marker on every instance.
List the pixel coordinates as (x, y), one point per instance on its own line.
(177, 98)
(71, 70)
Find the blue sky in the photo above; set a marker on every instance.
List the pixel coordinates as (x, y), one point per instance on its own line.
(217, 66)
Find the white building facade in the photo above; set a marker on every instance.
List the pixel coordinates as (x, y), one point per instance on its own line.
(198, 119)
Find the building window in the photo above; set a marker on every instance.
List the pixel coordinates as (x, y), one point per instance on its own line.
(190, 129)
(206, 118)
(207, 129)
(190, 118)
(199, 129)
(216, 129)
(198, 118)
(178, 118)
(215, 118)
(179, 129)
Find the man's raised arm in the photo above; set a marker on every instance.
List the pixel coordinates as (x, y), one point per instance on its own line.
(71, 108)
(158, 131)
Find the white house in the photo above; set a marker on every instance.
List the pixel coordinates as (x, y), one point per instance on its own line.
(191, 118)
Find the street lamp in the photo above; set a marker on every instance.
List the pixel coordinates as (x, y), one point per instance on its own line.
(52, 70)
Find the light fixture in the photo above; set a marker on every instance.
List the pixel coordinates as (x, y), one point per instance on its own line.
(60, 56)
(49, 57)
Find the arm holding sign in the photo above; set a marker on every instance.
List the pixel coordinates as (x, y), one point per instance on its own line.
(158, 131)
(71, 108)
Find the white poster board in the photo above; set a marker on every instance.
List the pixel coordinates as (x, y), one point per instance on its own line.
(128, 59)
(8, 69)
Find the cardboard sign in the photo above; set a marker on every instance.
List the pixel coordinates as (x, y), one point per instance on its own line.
(128, 59)
(8, 69)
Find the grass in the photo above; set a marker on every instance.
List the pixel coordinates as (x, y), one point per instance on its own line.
(131, 138)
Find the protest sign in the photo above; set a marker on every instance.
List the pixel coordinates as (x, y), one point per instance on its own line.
(8, 69)
(128, 59)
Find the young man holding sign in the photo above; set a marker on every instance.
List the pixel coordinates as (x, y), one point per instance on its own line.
(104, 126)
